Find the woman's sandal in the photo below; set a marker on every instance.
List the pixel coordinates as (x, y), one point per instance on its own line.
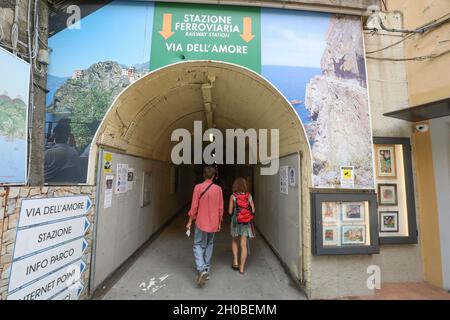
(242, 272)
(235, 267)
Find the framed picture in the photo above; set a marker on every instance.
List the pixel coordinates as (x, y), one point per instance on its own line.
(330, 211)
(353, 211)
(330, 236)
(387, 195)
(385, 161)
(389, 221)
(354, 234)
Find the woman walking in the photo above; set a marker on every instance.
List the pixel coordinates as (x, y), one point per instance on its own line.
(242, 209)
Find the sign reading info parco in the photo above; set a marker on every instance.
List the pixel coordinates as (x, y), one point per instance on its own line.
(32, 268)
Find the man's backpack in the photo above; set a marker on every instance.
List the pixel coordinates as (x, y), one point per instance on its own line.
(243, 213)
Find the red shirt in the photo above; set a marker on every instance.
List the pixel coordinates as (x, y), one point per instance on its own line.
(208, 210)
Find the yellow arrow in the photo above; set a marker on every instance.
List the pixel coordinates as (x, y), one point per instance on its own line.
(167, 26)
(247, 30)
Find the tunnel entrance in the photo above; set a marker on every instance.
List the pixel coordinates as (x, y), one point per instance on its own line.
(136, 134)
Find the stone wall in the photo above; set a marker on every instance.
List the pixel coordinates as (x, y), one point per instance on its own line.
(11, 201)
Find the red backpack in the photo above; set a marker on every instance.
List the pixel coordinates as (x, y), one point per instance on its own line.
(244, 215)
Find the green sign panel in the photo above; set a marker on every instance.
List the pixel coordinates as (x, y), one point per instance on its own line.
(201, 32)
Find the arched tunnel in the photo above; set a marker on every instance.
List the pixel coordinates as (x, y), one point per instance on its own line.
(137, 130)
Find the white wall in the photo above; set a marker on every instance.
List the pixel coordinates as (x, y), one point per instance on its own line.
(440, 140)
(278, 215)
(124, 227)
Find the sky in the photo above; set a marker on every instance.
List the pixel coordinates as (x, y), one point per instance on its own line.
(14, 76)
(115, 32)
(293, 38)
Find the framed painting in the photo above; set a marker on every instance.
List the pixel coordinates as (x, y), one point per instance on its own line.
(387, 194)
(330, 212)
(389, 221)
(353, 211)
(385, 161)
(354, 234)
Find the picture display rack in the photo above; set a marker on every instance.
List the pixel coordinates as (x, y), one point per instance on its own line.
(344, 223)
(395, 195)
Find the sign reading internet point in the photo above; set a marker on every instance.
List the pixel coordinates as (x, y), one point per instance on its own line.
(51, 285)
(199, 32)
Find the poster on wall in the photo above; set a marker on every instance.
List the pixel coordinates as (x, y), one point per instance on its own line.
(292, 177)
(284, 184)
(122, 178)
(107, 162)
(324, 78)
(347, 177)
(14, 95)
(107, 201)
(147, 188)
(130, 179)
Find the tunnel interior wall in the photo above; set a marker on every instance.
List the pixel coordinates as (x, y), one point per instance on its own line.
(278, 214)
(126, 225)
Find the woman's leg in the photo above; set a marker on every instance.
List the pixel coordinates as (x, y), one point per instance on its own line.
(234, 249)
(243, 252)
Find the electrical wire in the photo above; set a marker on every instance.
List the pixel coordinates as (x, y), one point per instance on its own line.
(392, 45)
(422, 29)
(420, 58)
(428, 26)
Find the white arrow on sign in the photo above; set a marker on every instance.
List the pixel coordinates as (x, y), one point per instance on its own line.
(34, 267)
(45, 236)
(37, 211)
(52, 284)
(72, 293)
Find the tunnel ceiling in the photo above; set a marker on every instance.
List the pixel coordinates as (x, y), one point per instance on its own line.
(142, 118)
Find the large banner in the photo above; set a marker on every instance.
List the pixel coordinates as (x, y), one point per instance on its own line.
(316, 60)
(14, 94)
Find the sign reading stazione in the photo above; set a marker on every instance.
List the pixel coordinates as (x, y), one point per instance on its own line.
(35, 239)
(201, 32)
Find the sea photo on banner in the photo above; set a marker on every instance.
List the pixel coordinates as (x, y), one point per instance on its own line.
(14, 101)
(317, 61)
(90, 66)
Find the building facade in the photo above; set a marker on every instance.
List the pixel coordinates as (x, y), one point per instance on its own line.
(366, 202)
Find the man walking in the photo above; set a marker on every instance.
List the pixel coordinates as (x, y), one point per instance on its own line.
(207, 211)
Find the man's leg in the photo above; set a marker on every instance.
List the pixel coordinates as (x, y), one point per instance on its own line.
(209, 250)
(199, 255)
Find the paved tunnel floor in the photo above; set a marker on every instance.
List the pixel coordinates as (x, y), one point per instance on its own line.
(165, 270)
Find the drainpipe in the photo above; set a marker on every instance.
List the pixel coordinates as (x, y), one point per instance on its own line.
(15, 28)
(207, 101)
